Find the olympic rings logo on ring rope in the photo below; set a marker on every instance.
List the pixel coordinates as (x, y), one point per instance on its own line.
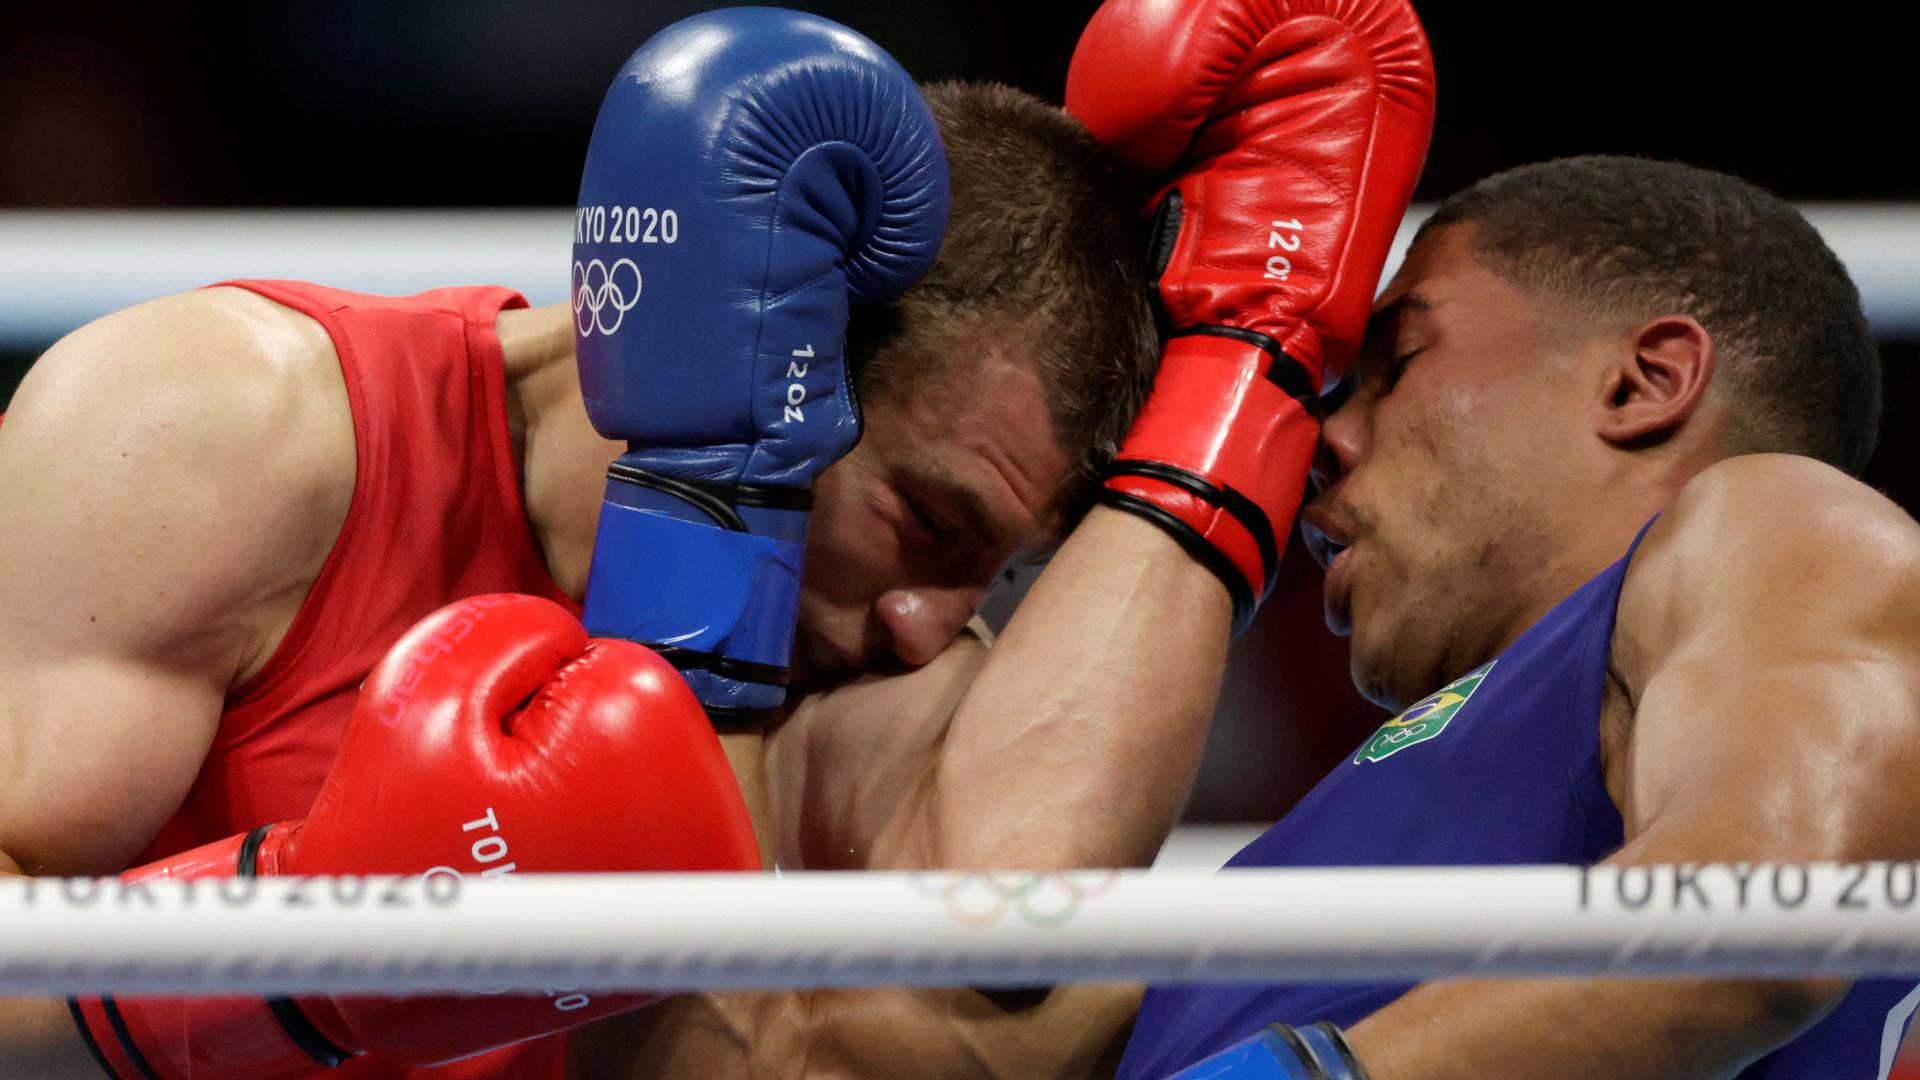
(1040, 899)
(598, 290)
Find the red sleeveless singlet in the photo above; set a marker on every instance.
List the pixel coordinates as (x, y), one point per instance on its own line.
(436, 515)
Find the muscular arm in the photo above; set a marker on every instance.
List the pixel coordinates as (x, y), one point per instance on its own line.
(1768, 643)
(1071, 742)
(166, 485)
(1079, 739)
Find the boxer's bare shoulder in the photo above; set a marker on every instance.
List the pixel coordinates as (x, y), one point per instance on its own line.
(1773, 615)
(1767, 520)
(205, 438)
(172, 477)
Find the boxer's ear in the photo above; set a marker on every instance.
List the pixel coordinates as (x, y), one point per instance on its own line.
(1657, 382)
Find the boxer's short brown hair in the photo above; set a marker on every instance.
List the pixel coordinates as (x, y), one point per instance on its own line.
(1630, 238)
(1045, 241)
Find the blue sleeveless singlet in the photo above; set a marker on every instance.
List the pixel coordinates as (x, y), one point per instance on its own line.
(1500, 766)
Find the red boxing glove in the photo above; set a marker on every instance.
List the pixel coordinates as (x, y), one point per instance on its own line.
(1292, 133)
(494, 738)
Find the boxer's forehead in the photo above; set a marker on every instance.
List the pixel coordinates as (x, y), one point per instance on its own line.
(1441, 265)
(1445, 293)
(985, 448)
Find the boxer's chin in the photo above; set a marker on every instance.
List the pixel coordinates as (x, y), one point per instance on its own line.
(1373, 662)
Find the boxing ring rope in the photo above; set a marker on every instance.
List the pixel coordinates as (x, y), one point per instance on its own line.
(60, 269)
(442, 932)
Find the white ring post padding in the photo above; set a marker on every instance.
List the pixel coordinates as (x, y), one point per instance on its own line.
(59, 269)
(584, 932)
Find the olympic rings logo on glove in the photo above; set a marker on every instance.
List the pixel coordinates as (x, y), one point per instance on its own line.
(1041, 899)
(601, 296)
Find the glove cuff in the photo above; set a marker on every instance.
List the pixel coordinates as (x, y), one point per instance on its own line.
(1282, 1052)
(1219, 457)
(711, 585)
(1324, 1047)
(1232, 543)
(249, 1037)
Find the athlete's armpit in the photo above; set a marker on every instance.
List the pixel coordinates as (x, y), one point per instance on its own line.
(847, 773)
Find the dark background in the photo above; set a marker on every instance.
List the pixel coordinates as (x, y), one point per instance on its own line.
(489, 103)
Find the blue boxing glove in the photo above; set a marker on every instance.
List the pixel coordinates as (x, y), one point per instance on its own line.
(1282, 1052)
(752, 172)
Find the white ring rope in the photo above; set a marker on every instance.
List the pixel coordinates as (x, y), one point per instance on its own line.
(600, 932)
(59, 269)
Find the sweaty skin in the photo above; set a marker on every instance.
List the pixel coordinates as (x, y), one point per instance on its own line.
(209, 422)
(1763, 699)
(218, 421)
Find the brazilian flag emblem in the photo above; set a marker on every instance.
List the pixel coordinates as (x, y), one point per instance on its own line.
(1425, 719)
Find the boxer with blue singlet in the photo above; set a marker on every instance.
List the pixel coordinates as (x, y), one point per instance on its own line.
(1595, 482)
(1588, 520)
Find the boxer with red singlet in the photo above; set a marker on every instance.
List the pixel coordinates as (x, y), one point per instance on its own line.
(324, 442)
(496, 713)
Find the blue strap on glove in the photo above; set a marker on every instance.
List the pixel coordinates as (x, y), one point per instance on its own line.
(715, 597)
(1282, 1052)
(752, 172)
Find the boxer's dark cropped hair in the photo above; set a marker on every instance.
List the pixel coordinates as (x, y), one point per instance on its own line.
(1045, 248)
(1623, 238)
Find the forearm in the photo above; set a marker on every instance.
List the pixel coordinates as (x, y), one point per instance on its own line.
(1599, 1028)
(38, 1039)
(1068, 1033)
(37, 1035)
(1080, 736)
(1575, 1030)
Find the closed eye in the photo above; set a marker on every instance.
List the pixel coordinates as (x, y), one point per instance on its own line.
(933, 528)
(1399, 366)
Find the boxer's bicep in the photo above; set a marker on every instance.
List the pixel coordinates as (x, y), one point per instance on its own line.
(96, 754)
(157, 487)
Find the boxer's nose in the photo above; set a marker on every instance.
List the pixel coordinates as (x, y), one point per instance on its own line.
(922, 621)
(1342, 442)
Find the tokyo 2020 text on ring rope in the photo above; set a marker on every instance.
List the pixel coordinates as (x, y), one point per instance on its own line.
(442, 932)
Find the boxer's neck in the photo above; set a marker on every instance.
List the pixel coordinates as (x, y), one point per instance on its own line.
(560, 460)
